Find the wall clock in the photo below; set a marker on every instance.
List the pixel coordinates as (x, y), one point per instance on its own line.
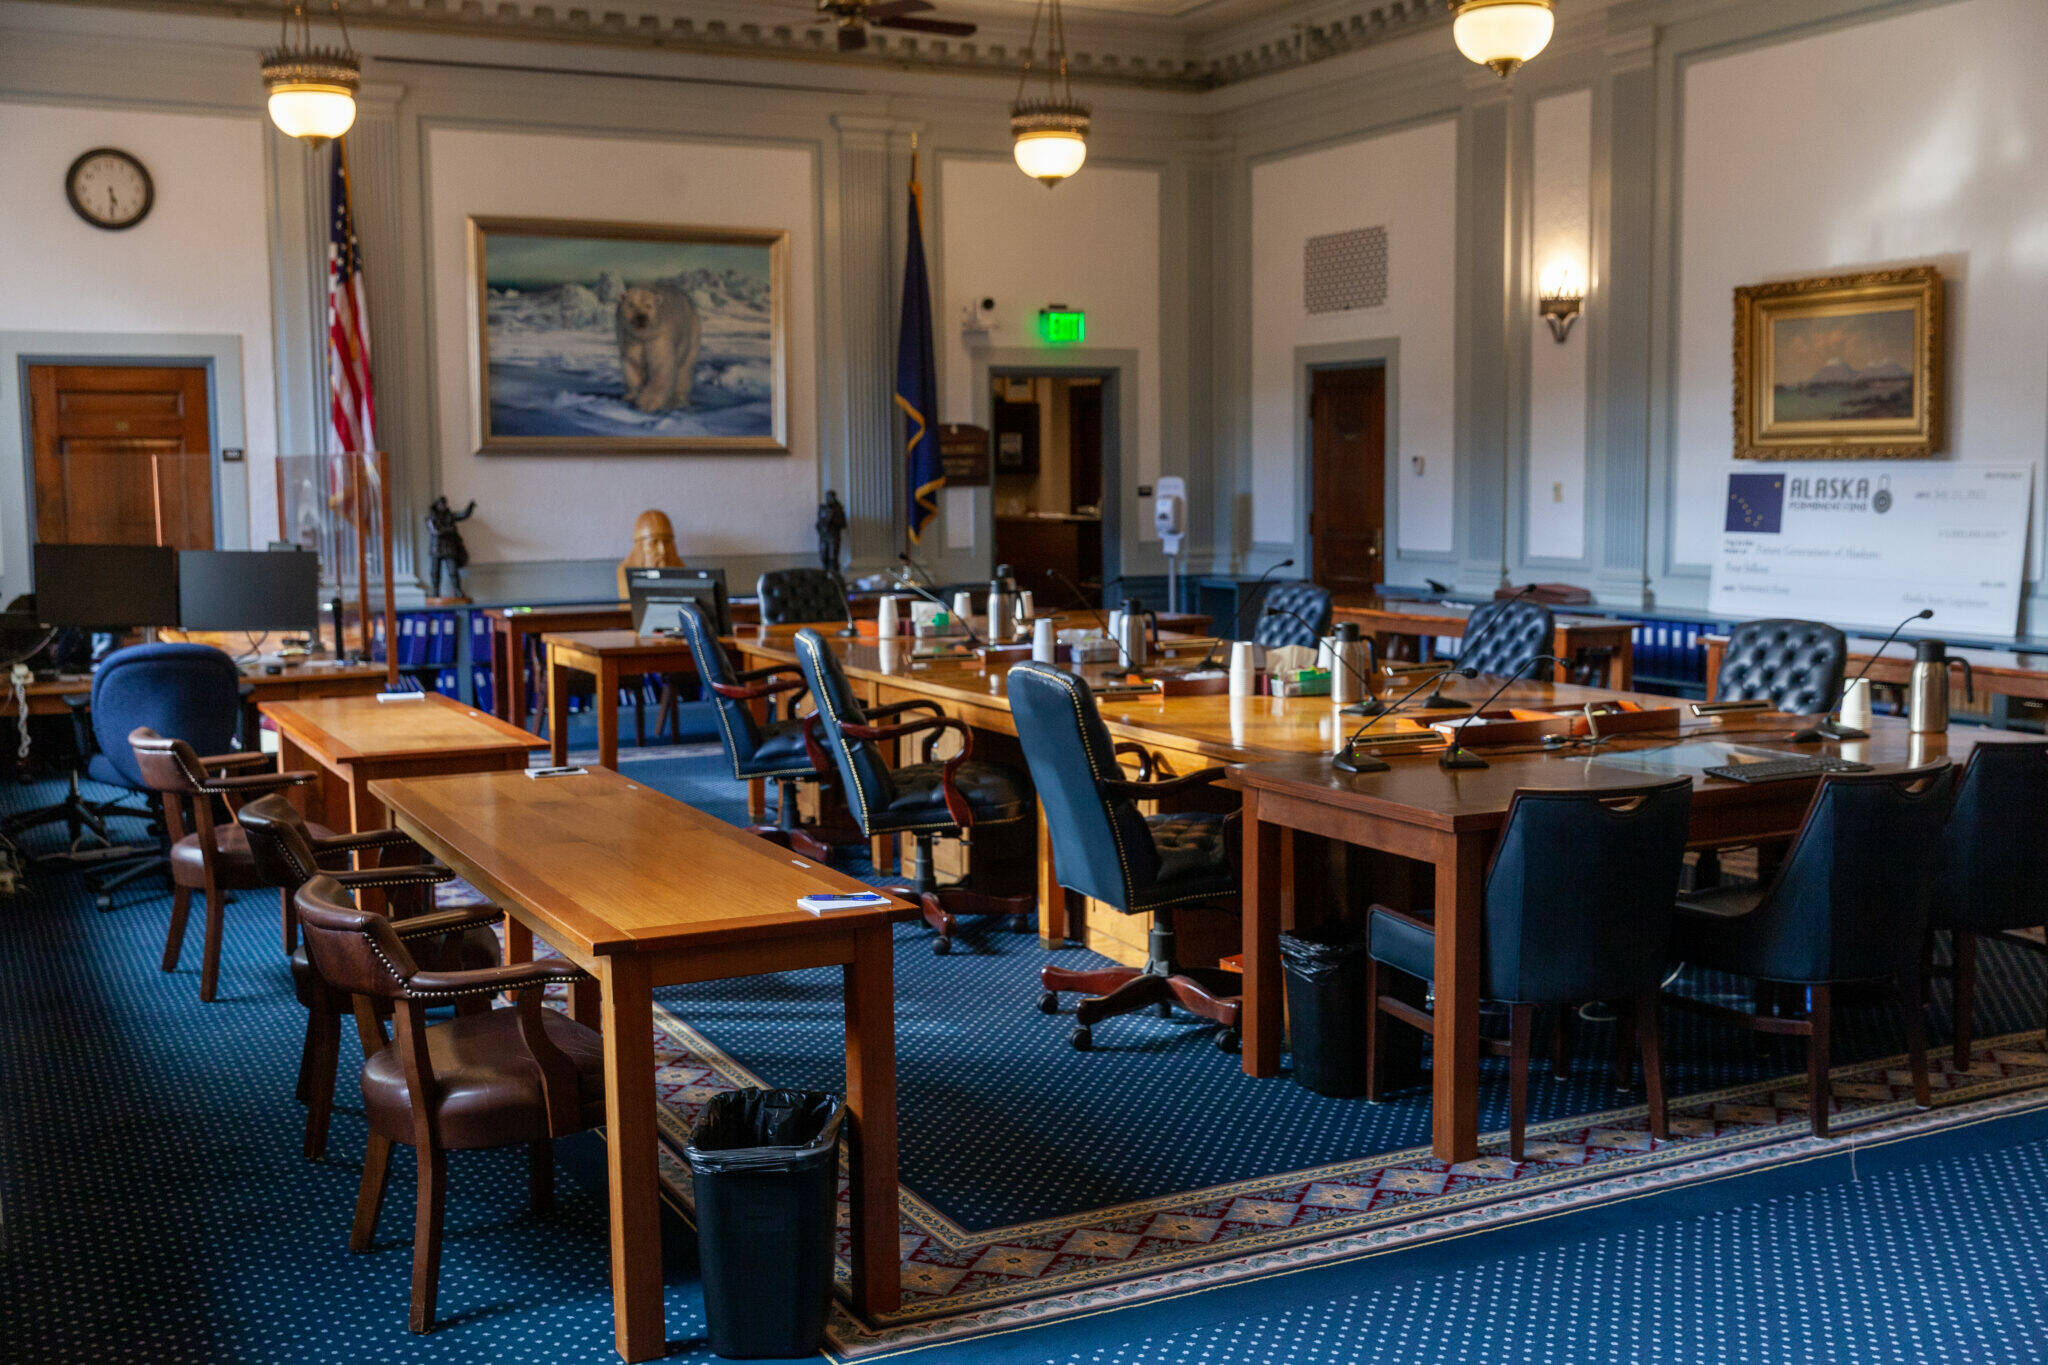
(110, 189)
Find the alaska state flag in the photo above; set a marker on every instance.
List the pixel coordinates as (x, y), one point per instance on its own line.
(1756, 503)
(917, 377)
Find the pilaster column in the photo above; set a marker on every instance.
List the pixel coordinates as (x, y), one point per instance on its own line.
(1486, 272)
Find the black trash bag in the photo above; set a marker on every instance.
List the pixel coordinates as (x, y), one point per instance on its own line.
(1326, 1008)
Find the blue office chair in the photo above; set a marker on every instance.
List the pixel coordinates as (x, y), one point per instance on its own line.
(927, 800)
(183, 691)
(1139, 864)
(771, 750)
(1850, 903)
(1293, 614)
(1578, 907)
(1994, 863)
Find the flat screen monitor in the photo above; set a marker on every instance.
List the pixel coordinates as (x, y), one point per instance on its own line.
(249, 590)
(106, 587)
(656, 593)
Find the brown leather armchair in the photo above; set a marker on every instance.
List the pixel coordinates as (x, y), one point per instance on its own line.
(524, 1074)
(212, 859)
(287, 856)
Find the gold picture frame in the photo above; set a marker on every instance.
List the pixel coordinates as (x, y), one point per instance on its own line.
(628, 338)
(1847, 367)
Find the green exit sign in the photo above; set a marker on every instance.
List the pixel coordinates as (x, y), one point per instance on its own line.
(1062, 326)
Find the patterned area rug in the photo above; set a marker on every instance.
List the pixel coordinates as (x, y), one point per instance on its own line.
(960, 1283)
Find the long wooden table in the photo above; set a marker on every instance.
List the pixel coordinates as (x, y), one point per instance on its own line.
(609, 656)
(642, 891)
(1384, 617)
(354, 741)
(316, 678)
(514, 633)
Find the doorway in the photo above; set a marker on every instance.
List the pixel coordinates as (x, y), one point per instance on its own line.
(1047, 431)
(121, 454)
(1347, 422)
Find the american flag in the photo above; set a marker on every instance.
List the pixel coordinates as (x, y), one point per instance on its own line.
(350, 404)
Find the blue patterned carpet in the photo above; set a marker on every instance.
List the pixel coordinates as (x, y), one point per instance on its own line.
(153, 1204)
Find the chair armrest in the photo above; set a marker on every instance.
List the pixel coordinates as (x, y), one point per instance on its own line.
(369, 838)
(1412, 921)
(405, 874)
(1160, 790)
(241, 758)
(897, 708)
(937, 725)
(757, 691)
(512, 976)
(254, 784)
(446, 921)
(558, 1089)
(769, 671)
(1138, 751)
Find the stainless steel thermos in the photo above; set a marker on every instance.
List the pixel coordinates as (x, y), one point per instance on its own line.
(1927, 691)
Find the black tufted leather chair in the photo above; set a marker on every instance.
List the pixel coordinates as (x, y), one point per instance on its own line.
(1560, 928)
(1284, 609)
(924, 800)
(1850, 903)
(1794, 665)
(1102, 847)
(1994, 863)
(790, 596)
(1503, 638)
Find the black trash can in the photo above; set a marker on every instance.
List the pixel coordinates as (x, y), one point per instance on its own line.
(765, 1164)
(1326, 1007)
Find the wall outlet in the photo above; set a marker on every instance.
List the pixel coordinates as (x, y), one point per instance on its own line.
(1557, 492)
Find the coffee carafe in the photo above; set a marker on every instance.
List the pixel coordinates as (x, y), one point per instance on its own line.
(1002, 605)
(1134, 646)
(1927, 692)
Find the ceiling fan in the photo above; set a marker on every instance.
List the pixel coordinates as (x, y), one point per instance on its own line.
(855, 17)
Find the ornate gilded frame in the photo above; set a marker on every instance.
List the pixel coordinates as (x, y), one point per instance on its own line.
(1758, 433)
(484, 442)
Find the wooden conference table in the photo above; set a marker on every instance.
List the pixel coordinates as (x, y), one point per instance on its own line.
(1394, 616)
(609, 656)
(514, 631)
(314, 678)
(593, 864)
(353, 741)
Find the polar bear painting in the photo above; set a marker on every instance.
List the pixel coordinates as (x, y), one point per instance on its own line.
(610, 342)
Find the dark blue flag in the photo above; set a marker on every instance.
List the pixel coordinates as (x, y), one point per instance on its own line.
(1756, 503)
(917, 376)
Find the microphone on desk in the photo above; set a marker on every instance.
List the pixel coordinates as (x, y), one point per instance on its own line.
(1457, 756)
(928, 595)
(1830, 728)
(1081, 601)
(1437, 701)
(1370, 706)
(917, 568)
(1348, 759)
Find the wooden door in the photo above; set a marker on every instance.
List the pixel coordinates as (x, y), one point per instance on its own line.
(1348, 445)
(122, 451)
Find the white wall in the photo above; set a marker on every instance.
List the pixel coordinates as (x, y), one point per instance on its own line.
(1560, 234)
(582, 506)
(1090, 243)
(198, 264)
(1916, 139)
(1406, 181)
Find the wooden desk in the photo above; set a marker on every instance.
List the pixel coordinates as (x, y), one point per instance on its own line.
(608, 656)
(1450, 821)
(1392, 616)
(319, 678)
(513, 633)
(353, 741)
(1997, 672)
(590, 863)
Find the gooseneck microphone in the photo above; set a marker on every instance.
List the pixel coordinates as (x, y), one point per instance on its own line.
(917, 568)
(928, 595)
(1348, 759)
(1237, 630)
(1081, 601)
(1370, 706)
(1457, 756)
(1830, 728)
(1437, 701)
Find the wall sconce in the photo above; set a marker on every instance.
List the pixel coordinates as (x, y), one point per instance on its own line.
(1561, 297)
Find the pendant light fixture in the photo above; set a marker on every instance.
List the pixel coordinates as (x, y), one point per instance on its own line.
(1051, 133)
(1502, 34)
(312, 89)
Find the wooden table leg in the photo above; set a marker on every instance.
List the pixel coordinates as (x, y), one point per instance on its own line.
(871, 1107)
(1053, 924)
(518, 941)
(608, 715)
(1454, 1065)
(558, 712)
(1262, 1011)
(518, 701)
(757, 800)
(1621, 669)
(638, 1325)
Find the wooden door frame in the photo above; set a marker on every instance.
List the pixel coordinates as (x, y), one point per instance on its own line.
(1384, 352)
(221, 357)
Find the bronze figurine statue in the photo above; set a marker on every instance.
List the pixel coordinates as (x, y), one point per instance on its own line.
(448, 549)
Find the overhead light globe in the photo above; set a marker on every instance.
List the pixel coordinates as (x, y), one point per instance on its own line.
(1503, 34)
(1052, 140)
(312, 89)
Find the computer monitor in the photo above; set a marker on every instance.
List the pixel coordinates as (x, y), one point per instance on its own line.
(106, 587)
(655, 594)
(249, 590)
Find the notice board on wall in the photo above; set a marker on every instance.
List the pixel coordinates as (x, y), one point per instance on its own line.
(1863, 545)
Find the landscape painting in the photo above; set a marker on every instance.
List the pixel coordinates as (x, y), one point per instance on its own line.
(1841, 368)
(618, 338)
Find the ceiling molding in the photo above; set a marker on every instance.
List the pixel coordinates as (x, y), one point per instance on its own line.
(1131, 50)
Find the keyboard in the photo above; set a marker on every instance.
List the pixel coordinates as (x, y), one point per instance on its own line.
(1783, 769)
